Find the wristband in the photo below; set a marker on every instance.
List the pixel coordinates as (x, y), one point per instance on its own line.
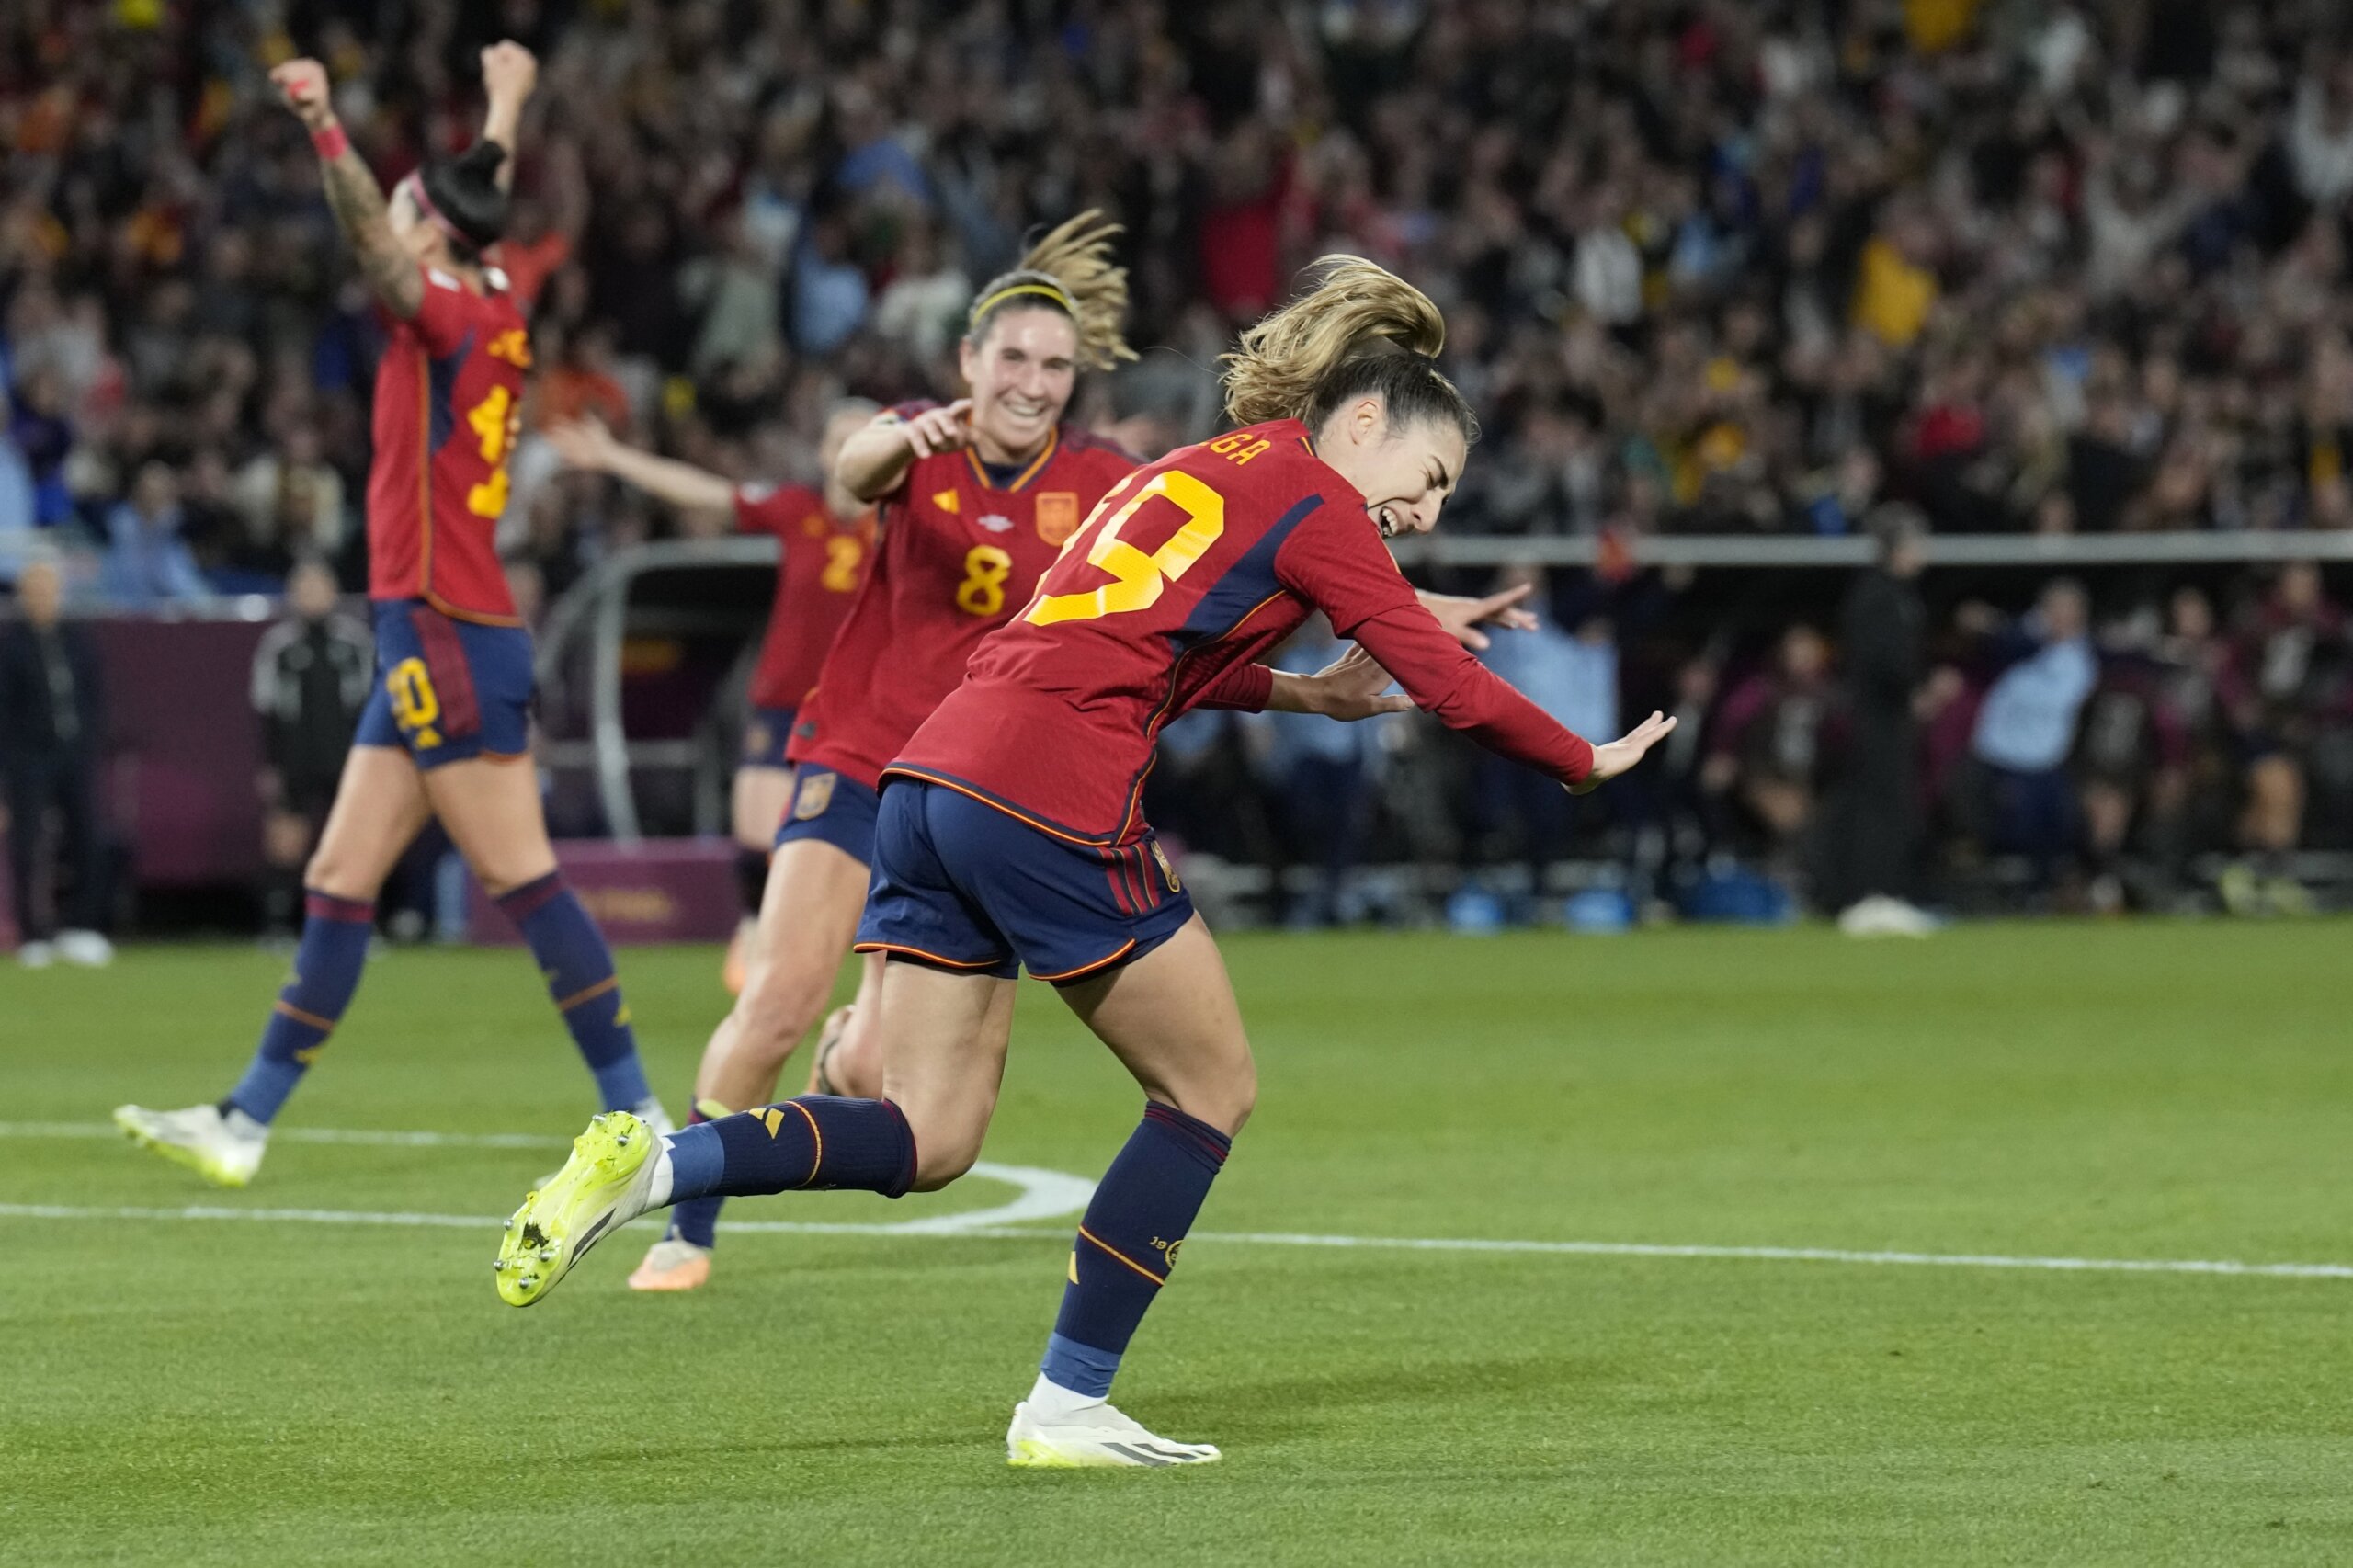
(330, 141)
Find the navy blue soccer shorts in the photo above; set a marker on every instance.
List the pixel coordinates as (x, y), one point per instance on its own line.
(766, 731)
(831, 809)
(447, 689)
(960, 884)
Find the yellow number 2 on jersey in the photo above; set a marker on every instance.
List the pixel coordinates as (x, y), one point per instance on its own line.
(1138, 578)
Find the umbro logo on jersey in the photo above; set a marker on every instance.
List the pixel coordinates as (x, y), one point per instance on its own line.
(996, 523)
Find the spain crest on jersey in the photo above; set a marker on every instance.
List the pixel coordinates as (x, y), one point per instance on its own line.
(1057, 515)
(817, 792)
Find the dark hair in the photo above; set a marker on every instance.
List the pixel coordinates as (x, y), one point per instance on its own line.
(1358, 329)
(464, 190)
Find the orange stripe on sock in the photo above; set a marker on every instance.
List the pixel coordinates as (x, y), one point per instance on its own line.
(590, 994)
(1123, 1257)
(819, 1158)
(300, 1017)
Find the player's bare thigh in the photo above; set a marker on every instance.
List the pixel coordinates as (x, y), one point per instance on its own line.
(380, 807)
(758, 800)
(808, 915)
(493, 813)
(943, 1037)
(1171, 1020)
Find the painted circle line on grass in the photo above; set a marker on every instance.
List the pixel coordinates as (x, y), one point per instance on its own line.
(1042, 1195)
(1047, 1195)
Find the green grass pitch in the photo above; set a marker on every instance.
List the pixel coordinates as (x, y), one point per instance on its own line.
(191, 1390)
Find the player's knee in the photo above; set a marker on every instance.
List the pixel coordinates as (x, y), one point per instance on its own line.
(1225, 1100)
(331, 871)
(776, 1009)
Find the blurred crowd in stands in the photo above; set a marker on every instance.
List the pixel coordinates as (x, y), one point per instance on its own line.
(1708, 266)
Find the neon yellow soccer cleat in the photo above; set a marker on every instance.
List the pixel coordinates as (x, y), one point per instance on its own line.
(602, 1187)
(224, 1150)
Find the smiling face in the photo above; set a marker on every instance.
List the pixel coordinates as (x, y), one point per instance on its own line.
(1020, 373)
(1404, 473)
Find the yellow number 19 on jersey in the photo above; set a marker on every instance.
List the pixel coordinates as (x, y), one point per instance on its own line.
(1138, 578)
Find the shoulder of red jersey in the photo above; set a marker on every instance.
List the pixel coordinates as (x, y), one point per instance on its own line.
(1076, 441)
(772, 509)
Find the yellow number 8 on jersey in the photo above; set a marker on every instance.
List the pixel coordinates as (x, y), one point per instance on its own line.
(982, 590)
(1139, 578)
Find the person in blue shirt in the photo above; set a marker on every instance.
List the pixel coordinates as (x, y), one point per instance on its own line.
(147, 562)
(1323, 775)
(2026, 727)
(1573, 675)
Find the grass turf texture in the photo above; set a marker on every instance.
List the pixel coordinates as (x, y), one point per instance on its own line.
(216, 1392)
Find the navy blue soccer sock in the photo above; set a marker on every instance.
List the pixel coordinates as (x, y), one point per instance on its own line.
(1128, 1243)
(695, 1220)
(751, 880)
(817, 1141)
(326, 972)
(579, 970)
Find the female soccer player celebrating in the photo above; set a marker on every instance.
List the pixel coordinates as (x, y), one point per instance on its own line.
(447, 732)
(1010, 832)
(827, 539)
(974, 501)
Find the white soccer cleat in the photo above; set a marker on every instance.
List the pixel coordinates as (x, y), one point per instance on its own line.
(1094, 1437)
(87, 949)
(36, 954)
(607, 1182)
(224, 1150)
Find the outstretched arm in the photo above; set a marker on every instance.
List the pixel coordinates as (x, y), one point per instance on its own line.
(584, 443)
(392, 274)
(873, 460)
(509, 74)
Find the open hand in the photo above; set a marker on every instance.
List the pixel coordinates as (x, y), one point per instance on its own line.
(1610, 760)
(944, 429)
(1354, 687)
(582, 443)
(1463, 616)
(302, 83)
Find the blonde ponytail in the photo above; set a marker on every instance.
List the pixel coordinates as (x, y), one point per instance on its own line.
(1355, 309)
(1070, 270)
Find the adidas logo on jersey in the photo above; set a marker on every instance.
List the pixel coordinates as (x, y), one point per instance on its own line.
(996, 523)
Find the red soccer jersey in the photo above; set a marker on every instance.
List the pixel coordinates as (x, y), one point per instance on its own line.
(1187, 572)
(449, 395)
(816, 581)
(959, 556)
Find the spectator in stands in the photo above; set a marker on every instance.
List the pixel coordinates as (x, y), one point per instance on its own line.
(52, 731)
(2288, 655)
(1573, 675)
(19, 514)
(291, 501)
(1765, 748)
(1871, 853)
(2025, 729)
(1324, 776)
(147, 562)
(312, 674)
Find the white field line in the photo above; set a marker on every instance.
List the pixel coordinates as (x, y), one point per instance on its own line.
(1048, 1195)
(1043, 1194)
(1266, 1238)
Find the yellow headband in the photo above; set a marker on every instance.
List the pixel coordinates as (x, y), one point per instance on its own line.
(1047, 289)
